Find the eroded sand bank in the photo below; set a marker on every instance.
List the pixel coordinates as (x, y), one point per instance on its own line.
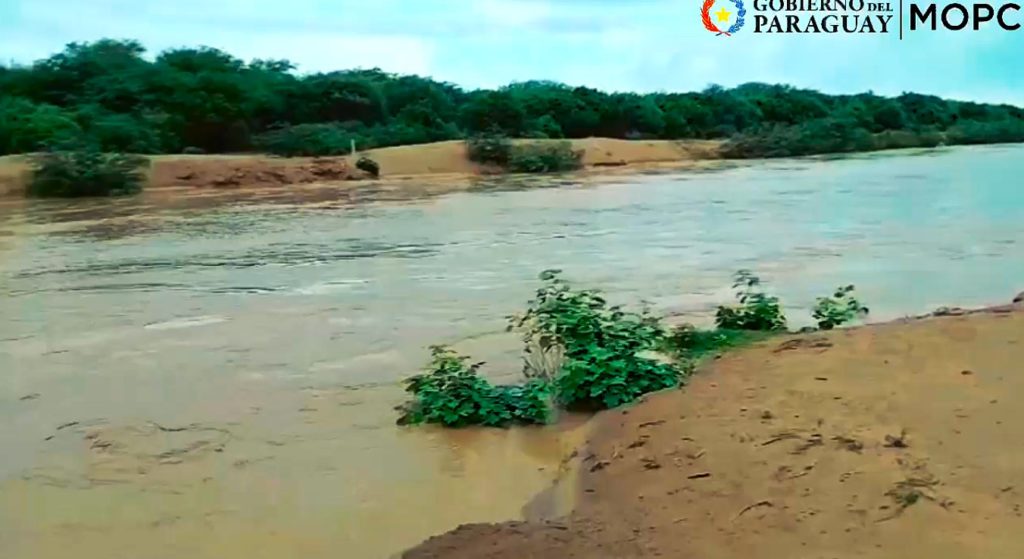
(895, 440)
(446, 162)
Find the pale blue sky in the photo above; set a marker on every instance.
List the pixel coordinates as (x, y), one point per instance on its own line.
(641, 45)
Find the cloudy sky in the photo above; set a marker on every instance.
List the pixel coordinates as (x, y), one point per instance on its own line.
(641, 45)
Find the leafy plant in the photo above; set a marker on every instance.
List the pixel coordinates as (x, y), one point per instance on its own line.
(489, 149)
(84, 172)
(452, 393)
(602, 365)
(756, 310)
(546, 157)
(842, 307)
(580, 352)
(27, 127)
(368, 165)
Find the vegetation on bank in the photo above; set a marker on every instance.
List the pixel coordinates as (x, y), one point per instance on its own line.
(842, 307)
(84, 171)
(499, 151)
(202, 100)
(580, 353)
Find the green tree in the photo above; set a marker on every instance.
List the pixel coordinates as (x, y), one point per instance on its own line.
(26, 126)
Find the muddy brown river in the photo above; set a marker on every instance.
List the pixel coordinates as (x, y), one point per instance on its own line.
(214, 377)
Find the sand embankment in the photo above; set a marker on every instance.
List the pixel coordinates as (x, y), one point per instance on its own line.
(898, 440)
(438, 160)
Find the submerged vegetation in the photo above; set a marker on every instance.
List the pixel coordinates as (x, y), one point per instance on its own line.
(580, 353)
(451, 393)
(205, 100)
(597, 362)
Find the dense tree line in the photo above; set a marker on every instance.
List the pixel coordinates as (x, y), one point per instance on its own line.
(109, 95)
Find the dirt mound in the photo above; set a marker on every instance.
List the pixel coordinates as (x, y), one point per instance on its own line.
(896, 440)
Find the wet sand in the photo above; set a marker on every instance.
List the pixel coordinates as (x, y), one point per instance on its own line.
(898, 440)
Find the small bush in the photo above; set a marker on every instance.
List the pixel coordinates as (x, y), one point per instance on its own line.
(368, 165)
(842, 307)
(86, 172)
(756, 311)
(453, 394)
(547, 157)
(489, 150)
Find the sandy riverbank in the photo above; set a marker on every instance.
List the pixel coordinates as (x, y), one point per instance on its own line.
(899, 440)
(445, 161)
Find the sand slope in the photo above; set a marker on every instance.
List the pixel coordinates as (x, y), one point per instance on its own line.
(438, 160)
(796, 448)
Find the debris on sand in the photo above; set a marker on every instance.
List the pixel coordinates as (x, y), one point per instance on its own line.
(810, 442)
(785, 436)
(910, 491)
(650, 463)
(599, 465)
(804, 343)
(893, 441)
(765, 503)
(849, 443)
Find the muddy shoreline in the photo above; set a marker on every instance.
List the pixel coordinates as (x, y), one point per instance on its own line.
(889, 440)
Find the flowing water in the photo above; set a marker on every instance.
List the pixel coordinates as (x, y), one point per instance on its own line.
(217, 380)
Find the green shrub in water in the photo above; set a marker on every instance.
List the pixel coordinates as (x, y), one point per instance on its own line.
(842, 307)
(452, 393)
(600, 363)
(602, 366)
(756, 310)
(86, 172)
